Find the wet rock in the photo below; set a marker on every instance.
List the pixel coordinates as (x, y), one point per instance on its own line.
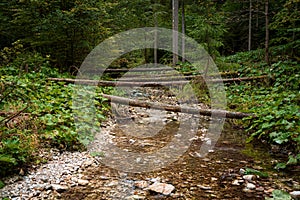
(295, 194)
(235, 182)
(162, 188)
(59, 188)
(204, 187)
(249, 177)
(242, 171)
(112, 183)
(250, 186)
(134, 197)
(141, 184)
(82, 182)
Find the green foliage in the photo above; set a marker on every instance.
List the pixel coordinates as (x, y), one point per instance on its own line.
(1, 184)
(275, 103)
(279, 195)
(256, 172)
(286, 26)
(205, 24)
(50, 121)
(66, 31)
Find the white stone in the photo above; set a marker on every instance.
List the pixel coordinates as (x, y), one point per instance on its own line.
(59, 188)
(250, 186)
(249, 177)
(162, 188)
(82, 182)
(295, 194)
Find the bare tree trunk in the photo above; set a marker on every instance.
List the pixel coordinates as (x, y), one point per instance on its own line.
(155, 43)
(175, 6)
(250, 26)
(183, 30)
(176, 108)
(267, 32)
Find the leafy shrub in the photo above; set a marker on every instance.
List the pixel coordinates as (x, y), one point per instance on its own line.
(275, 104)
(50, 121)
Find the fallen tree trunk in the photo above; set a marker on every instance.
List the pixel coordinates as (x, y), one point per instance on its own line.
(145, 83)
(230, 80)
(150, 69)
(176, 108)
(183, 78)
(119, 83)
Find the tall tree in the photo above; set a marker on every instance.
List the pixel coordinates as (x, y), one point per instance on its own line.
(250, 26)
(175, 22)
(267, 32)
(183, 30)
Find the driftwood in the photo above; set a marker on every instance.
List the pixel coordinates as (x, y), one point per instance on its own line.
(145, 83)
(176, 108)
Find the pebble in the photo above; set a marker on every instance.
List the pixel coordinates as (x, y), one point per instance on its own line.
(59, 188)
(82, 182)
(295, 194)
(163, 188)
(249, 177)
(60, 173)
(134, 197)
(141, 184)
(235, 182)
(204, 187)
(250, 186)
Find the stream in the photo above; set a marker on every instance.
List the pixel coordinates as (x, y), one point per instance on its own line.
(125, 164)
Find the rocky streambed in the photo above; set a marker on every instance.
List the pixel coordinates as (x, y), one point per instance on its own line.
(228, 171)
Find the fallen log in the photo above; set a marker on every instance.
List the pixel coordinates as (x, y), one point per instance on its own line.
(150, 82)
(119, 83)
(150, 69)
(176, 108)
(230, 80)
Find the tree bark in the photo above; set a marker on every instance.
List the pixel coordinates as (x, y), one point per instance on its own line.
(183, 30)
(250, 26)
(176, 108)
(151, 83)
(175, 8)
(183, 78)
(267, 32)
(131, 70)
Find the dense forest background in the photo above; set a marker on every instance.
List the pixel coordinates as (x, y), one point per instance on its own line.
(68, 30)
(40, 39)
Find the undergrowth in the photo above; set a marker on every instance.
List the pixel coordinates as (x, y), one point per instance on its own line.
(35, 112)
(274, 100)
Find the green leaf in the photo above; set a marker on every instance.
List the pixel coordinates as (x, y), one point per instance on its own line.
(2, 184)
(256, 172)
(280, 166)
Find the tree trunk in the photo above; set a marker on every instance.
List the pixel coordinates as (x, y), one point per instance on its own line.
(176, 108)
(267, 32)
(175, 8)
(250, 26)
(183, 30)
(151, 83)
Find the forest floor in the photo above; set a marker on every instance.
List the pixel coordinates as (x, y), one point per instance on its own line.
(225, 173)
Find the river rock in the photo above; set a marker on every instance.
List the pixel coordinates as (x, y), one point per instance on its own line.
(250, 186)
(82, 182)
(295, 194)
(235, 182)
(162, 188)
(141, 184)
(134, 197)
(59, 188)
(249, 177)
(204, 187)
